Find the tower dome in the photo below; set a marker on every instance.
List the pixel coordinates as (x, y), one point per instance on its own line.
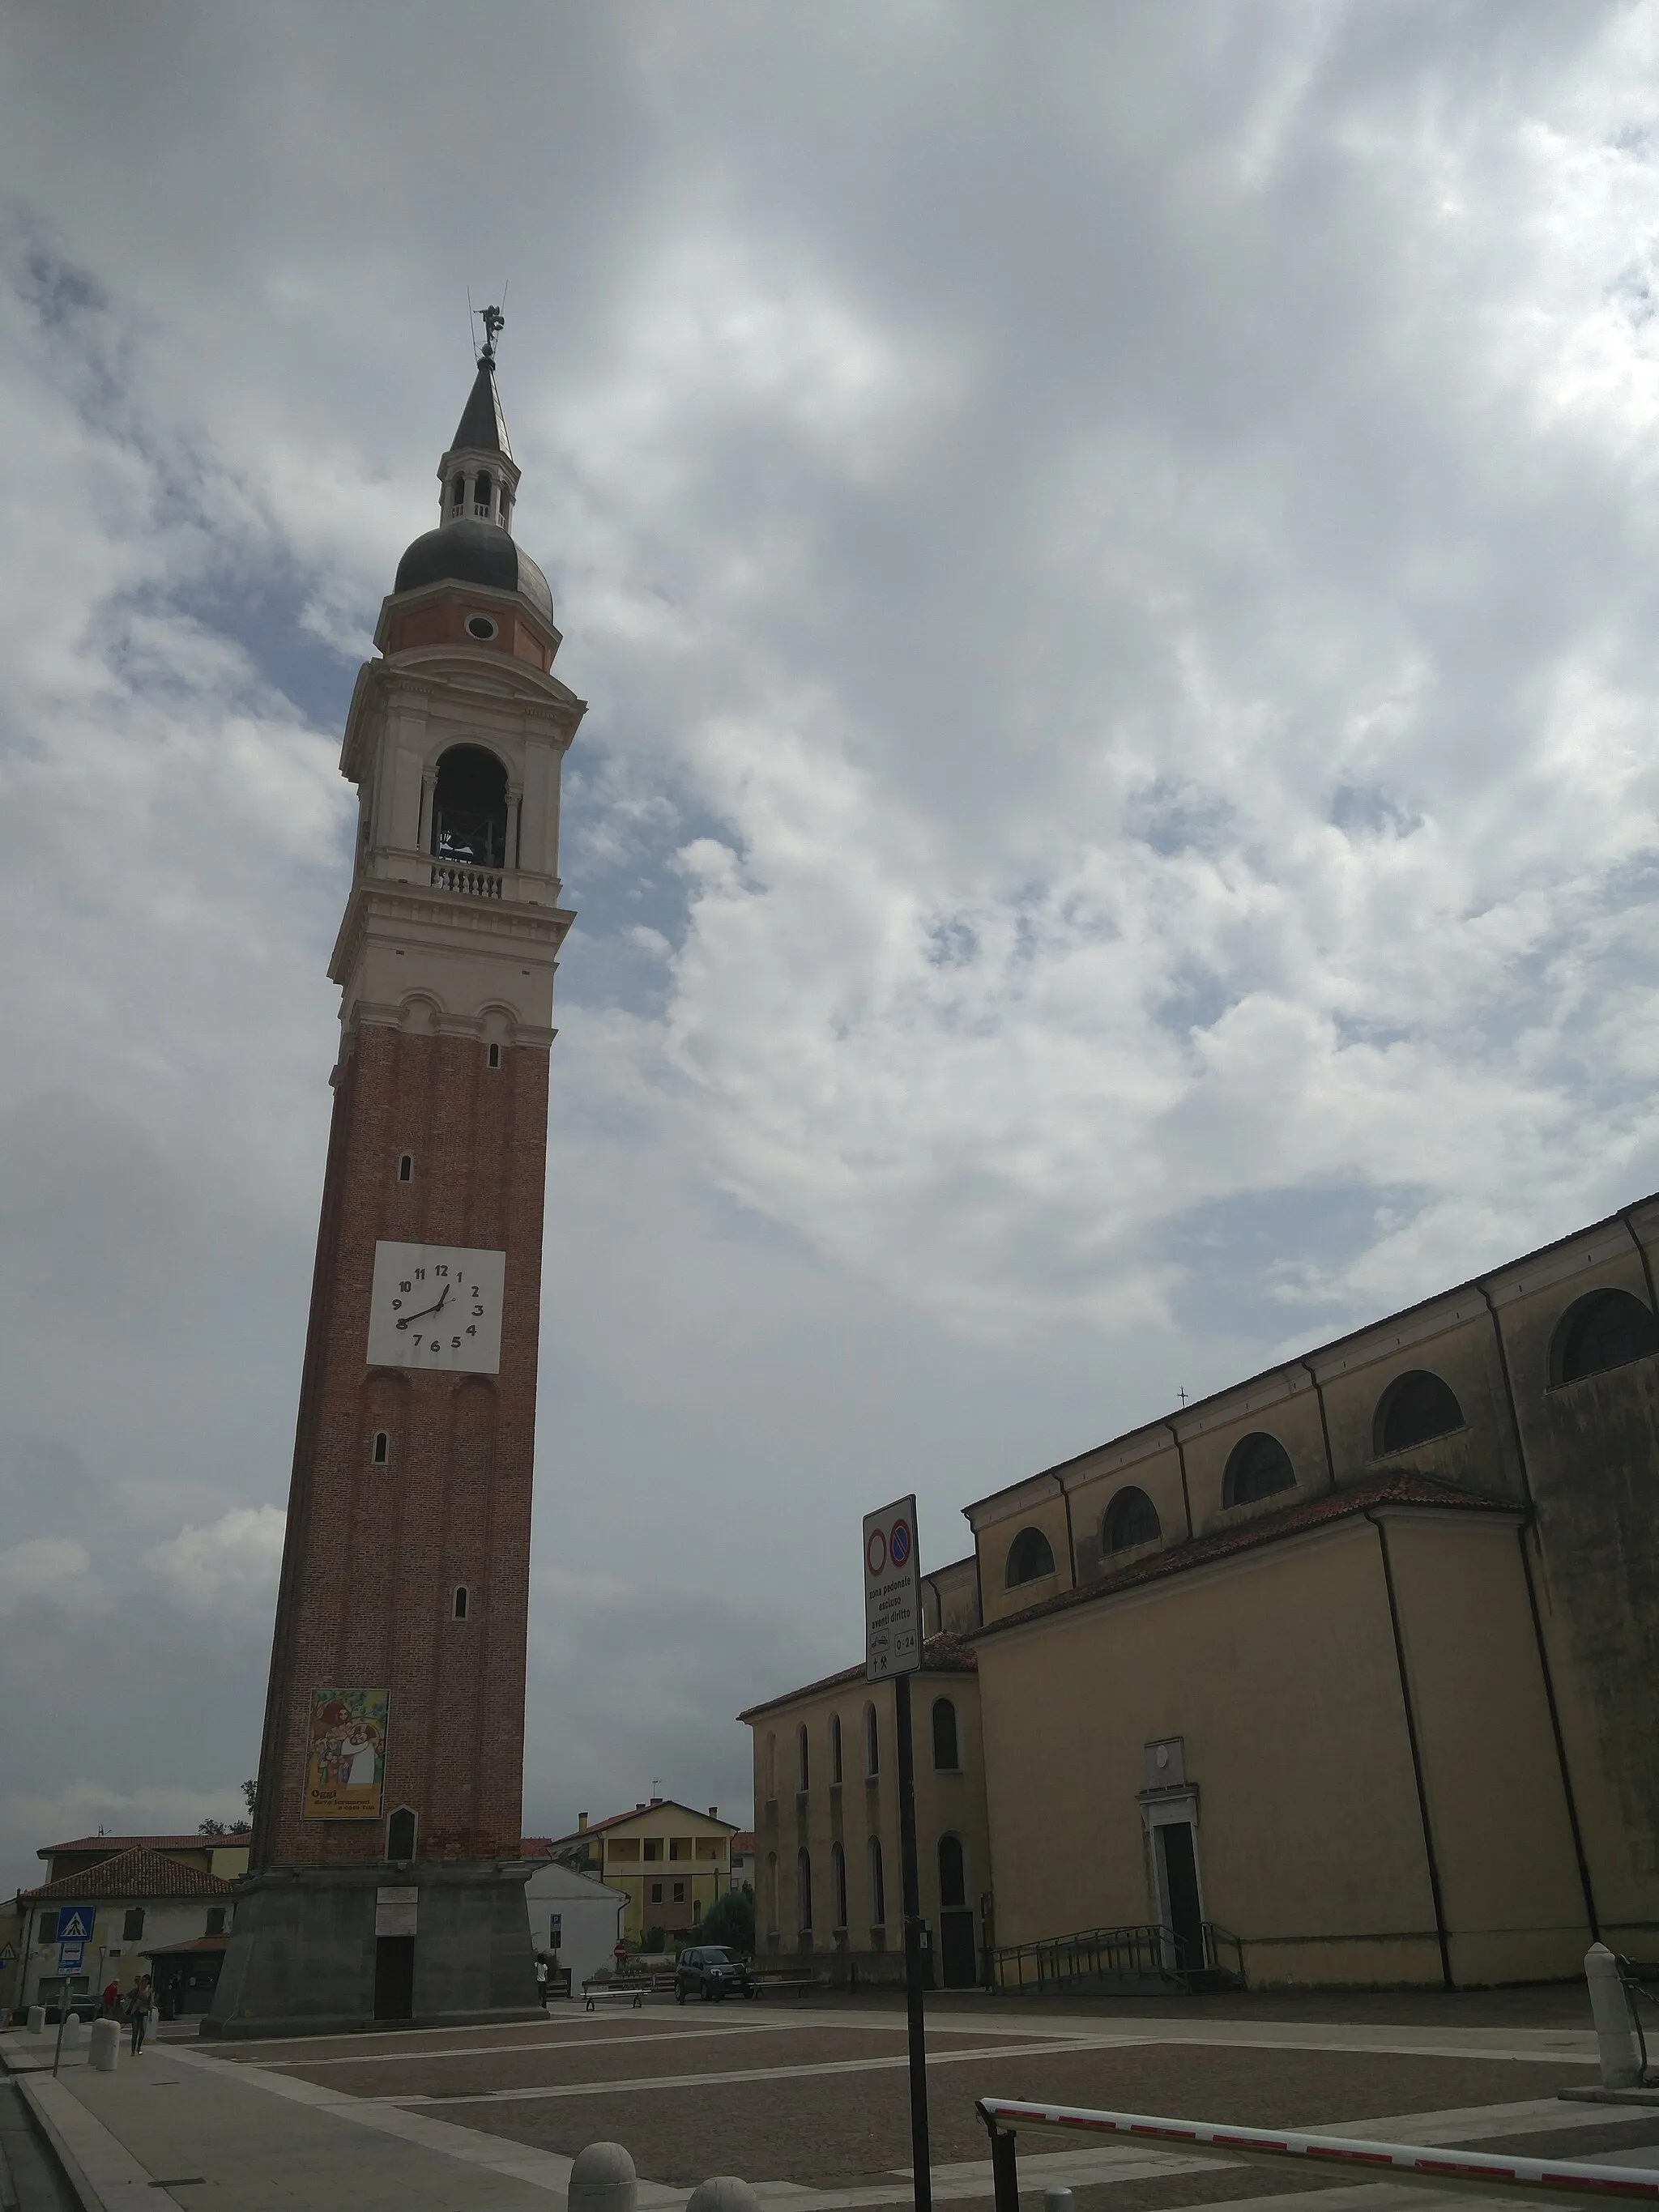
(461, 566)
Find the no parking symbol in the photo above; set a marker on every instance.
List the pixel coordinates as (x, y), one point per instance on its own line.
(892, 1591)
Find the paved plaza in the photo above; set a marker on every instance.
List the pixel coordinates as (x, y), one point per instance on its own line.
(809, 2102)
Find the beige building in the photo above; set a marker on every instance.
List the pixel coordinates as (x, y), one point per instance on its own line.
(826, 1821)
(1343, 1674)
(147, 1904)
(668, 1861)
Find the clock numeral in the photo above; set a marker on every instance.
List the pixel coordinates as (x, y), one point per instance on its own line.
(472, 1329)
(420, 1275)
(418, 1340)
(440, 1271)
(405, 1287)
(454, 1343)
(396, 1303)
(478, 1310)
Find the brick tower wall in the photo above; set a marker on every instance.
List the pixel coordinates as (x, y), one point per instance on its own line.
(374, 1552)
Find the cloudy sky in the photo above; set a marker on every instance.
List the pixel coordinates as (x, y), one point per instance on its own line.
(1115, 554)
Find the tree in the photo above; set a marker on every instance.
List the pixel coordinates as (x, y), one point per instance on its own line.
(213, 1828)
(731, 1920)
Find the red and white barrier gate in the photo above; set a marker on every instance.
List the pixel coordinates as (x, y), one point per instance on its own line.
(1547, 2180)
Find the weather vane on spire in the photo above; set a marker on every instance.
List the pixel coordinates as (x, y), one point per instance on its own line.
(494, 322)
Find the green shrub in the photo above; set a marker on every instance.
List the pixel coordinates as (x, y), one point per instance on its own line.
(731, 1920)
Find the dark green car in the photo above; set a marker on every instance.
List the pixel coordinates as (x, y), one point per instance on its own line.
(711, 1972)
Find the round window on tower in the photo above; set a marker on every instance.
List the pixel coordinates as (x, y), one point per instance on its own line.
(481, 627)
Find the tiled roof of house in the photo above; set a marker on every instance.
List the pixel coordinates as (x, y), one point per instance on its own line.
(945, 1654)
(196, 1842)
(743, 1840)
(655, 1805)
(131, 1874)
(1405, 1487)
(535, 1847)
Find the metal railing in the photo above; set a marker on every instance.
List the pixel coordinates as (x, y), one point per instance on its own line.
(1153, 1954)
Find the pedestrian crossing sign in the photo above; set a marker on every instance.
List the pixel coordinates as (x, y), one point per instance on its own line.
(74, 1922)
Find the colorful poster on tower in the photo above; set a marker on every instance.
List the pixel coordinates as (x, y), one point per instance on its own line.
(345, 1755)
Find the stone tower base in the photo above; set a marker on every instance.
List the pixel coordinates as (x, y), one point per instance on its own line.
(451, 1949)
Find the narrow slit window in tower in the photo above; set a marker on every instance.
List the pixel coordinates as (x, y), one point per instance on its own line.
(405, 1166)
(382, 1447)
(460, 1602)
(495, 1056)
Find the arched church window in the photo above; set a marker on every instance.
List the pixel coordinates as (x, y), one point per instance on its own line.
(1257, 1466)
(507, 506)
(1130, 1519)
(1607, 1328)
(947, 1753)
(953, 1873)
(481, 493)
(458, 491)
(877, 1880)
(1415, 1408)
(462, 1602)
(400, 1834)
(469, 807)
(1030, 1556)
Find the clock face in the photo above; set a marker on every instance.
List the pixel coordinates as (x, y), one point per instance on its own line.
(436, 1305)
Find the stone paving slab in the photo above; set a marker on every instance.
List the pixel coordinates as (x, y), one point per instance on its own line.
(830, 2129)
(658, 2056)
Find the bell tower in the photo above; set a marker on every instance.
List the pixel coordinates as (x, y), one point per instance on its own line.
(385, 1879)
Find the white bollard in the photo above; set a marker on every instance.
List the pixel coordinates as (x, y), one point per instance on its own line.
(104, 2044)
(1615, 2031)
(724, 2193)
(37, 2019)
(1057, 2200)
(602, 2179)
(74, 2033)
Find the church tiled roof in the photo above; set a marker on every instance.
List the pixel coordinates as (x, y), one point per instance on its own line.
(945, 1654)
(131, 1874)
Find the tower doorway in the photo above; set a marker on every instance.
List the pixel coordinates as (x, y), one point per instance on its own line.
(394, 1977)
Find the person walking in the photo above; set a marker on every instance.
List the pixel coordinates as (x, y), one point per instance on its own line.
(109, 2002)
(140, 2005)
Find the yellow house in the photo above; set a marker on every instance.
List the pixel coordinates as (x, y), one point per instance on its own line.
(670, 1862)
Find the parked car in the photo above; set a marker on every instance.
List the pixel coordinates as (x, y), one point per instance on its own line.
(711, 1972)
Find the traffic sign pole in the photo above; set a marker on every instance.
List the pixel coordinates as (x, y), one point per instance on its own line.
(892, 1648)
(921, 2153)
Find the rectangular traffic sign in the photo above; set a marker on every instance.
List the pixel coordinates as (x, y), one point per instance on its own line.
(74, 1922)
(892, 1591)
(70, 1956)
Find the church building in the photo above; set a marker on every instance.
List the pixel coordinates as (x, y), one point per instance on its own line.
(1343, 1675)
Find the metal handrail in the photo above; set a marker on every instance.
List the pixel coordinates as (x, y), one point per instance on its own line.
(1152, 1949)
(1633, 1977)
(1555, 2181)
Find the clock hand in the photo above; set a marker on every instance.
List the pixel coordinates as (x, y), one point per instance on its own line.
(405, 1319)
